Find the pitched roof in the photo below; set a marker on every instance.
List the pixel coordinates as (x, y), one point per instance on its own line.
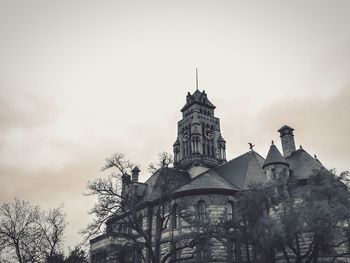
(198, 98)
(274, 156)
(177, 142)
(140, 188)
(302, 164)
(243, 170)
(208, 180)
(221, 139)
(170, 178)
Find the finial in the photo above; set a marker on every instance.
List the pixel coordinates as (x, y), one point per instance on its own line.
(272, 142)
(196, 79)
(251, 146)
(301, 147)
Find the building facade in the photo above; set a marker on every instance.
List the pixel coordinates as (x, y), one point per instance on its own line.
(200, 192)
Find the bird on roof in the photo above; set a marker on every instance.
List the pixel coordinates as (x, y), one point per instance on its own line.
(251, 146)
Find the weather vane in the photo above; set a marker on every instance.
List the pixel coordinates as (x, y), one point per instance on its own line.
(251, 146)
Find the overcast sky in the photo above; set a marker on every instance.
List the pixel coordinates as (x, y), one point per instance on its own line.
(81, 80)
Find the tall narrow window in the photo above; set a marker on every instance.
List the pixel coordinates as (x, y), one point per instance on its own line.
(229, 210)
(201, 211)
(174, 216)
(173, 255)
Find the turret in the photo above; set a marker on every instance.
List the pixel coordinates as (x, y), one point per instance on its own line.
(176, 149)
(287, 140)
(222, 149)
(275, 165)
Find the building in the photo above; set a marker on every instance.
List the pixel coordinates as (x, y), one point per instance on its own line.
(202, 182)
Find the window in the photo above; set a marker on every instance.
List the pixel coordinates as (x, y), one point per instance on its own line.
(229, 210)
(174, 216)
(173, 255)
(202, 250)
(231, 250)
(273, 171)
(201, 211)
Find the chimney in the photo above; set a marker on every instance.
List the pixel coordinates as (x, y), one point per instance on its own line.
(135, 174)
(125, 183)
(287, 139)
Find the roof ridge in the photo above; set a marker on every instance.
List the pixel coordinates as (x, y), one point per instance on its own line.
(254, 154)
(227, 180)
(192, 179)
(216, 181)
(246, 175)
(239, 156)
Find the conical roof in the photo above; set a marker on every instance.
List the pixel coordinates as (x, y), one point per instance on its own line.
(274, 156)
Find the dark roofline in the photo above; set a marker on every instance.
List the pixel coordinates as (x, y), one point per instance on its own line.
(192, 192)
(196, 102)
(140, 183)
(286, 163)
(285, 127)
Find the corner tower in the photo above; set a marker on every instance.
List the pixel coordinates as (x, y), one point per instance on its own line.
(199, 140)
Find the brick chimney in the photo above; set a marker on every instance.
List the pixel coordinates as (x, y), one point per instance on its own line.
(135, 174)
(287, 139)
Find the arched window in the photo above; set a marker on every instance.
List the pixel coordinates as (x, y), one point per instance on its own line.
(201, 208)
(174, 216)
(229, 210)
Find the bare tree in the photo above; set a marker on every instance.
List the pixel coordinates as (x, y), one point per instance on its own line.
(52, 224)
(164, 159)
(117, 200)
(28, 233)
(108, 192)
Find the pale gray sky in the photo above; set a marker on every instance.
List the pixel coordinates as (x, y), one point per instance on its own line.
(80, 80)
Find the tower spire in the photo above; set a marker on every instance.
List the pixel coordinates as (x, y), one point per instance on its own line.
(196, 79)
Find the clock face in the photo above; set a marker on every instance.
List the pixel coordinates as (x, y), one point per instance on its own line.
(209, 133)
(185, 135)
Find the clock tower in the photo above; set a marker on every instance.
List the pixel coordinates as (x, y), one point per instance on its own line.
(199, 141)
